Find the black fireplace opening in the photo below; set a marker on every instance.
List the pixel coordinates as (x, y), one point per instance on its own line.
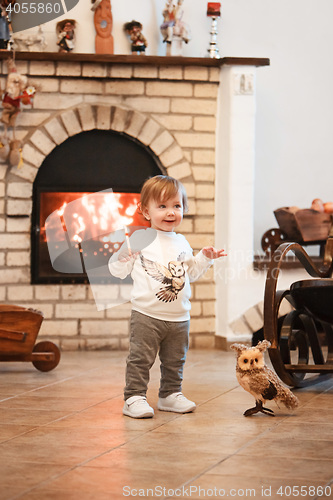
(85, 192)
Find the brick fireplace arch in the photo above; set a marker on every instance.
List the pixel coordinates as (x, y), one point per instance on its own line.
(59, 127)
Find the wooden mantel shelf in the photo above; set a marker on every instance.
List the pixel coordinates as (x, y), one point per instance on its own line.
(131, 59)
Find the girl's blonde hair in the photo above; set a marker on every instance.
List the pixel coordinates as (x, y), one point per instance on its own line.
(161, 188)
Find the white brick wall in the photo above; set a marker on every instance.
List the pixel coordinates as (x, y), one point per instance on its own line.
(32, 155)
(103, 118)
(68, 69)
(42, 142)
(119, 119)
(19, 189)
(18, 207)
(171, 109)
(148, 132)
(136, 124)
(71, 122)
(56, 130)
(87, 118)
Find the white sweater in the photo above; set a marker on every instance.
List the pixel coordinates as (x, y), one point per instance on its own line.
(161, 273)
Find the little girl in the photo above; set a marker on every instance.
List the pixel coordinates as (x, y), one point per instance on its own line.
(160, 320)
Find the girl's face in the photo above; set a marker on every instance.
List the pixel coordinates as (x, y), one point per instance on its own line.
(165, 215)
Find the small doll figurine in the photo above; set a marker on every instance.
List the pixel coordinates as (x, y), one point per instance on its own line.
(168, 21)
(66, 35)
(11, 102)
(138, 41)
(173, 28)
(5, 25)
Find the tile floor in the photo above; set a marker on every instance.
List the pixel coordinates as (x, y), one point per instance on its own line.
(63, 436)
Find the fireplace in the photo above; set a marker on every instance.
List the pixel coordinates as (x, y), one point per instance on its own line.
(86, 191)
(102, 123)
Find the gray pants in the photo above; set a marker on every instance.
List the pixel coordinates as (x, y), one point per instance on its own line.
(150, 336)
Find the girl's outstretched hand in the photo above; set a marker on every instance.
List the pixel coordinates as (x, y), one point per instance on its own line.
(125, 256)
(213, 253)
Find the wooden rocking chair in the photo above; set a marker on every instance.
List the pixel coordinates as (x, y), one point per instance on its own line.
(302, 342)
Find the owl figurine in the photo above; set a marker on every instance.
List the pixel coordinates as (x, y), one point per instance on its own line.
(257, 379)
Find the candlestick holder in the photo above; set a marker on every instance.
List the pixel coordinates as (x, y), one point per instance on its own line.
(213, 50)
(214, 12)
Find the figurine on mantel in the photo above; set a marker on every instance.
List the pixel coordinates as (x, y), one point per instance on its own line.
(138, 41)
(5, 25)
(103, 22)
(30, 42)
(173, 28)
(66, 35)
(214, 12)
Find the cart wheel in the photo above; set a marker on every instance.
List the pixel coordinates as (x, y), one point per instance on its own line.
(272, 239)
(47, 347)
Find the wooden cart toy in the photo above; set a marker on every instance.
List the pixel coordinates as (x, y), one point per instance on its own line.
(19, 328)
(304, 226)
(302, 340)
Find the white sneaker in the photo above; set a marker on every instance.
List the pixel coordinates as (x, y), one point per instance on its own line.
(137, 407)
(176, 402)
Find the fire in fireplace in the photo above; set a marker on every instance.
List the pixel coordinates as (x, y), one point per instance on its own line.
(85, 193)
(84, 229)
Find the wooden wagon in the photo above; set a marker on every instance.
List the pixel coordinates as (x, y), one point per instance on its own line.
(304, 226)
(19, 328)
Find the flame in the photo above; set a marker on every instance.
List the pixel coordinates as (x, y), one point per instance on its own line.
(61, 210)
(107, 213)
(131, 209)
(78, 225)
(77, 238)
(93, 215)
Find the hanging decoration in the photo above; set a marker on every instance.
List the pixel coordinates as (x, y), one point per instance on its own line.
(17, 91)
